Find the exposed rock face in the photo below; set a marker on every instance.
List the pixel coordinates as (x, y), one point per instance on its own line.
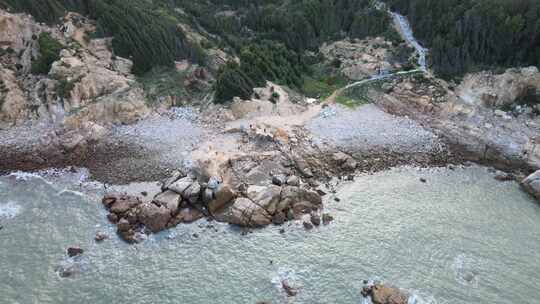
(13, 109)
(532, 184)
(493, 91)
(360, 59)
(482, 133)
(87, 88)
(17, 34)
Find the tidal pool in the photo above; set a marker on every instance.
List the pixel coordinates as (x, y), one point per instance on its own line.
(461, 237)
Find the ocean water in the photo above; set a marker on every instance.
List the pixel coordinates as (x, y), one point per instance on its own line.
(461, 237)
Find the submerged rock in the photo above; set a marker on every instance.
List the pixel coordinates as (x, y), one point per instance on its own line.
(100, 237)
(74, 251)
(291, 292)
(327, 218)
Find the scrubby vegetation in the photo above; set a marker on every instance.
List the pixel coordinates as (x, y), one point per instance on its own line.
(266, 60)
(49, 52)
(322, 81)
(467, 35)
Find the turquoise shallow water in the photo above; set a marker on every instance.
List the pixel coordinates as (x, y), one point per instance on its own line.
(462, 237)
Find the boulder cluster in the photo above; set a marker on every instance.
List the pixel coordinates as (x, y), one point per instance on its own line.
(187, 198)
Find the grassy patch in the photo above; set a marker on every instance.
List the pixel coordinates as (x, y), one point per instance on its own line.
(163, 81)
(358, 95)
(322, 87)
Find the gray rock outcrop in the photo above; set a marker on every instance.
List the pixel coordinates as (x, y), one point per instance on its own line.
(532, 184)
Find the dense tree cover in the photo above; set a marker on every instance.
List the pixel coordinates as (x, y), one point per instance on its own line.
(294, 26)
(141, 29)
(259, 62)
(275, 32)
(49, 50)
(465, 35)
(300, 25)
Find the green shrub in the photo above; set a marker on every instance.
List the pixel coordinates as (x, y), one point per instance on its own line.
(259, 62)
(232, 82)
(49, 50)
(64, 88)
(274, 97)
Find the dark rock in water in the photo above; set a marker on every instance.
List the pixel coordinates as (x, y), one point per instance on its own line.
(74, 251)
(366, 290)
(100, 237)
(308, 226)
(123, 225)
(290, 214)
(279, 218)
(144, 193)
(109, 199)
(315, 219)
(113, 218)
(423, 180)
(1, 227)
(282, 231)
(505, 177)
(67, 271)
(279, 180)
(123, 203)
(291, 292)
(337, 199)
(327, 218)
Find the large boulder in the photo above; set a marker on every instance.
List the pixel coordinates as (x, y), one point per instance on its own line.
(223, 196)
(192, 193)
(169, 199)
(181, 185)
(296, 197)
(154, 217)
(532, 184)
(244, 212)
(382, 294)
(120, 203)
(267, 197)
